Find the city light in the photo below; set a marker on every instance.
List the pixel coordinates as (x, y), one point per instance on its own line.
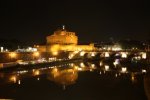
(102, 54)
(101, 63)
(144, 55)
(100, 72)
(13, 78)
(79, 69)
(1, 49)
(55, 53)
(92, 65)
(76, 52)
(82, 53)
(93, 54)
(19, 82)
(38, 78)
(106, 54)
(132, 77)
(36, 54)
(82, 65)
(124, 55)
(71, 56)
(123, 69)
(116, 75)
(143, 71)
(55, 70)
(13, 55)
(116, 62)
(116, 48)
(36, 73)
(76, 67)
(106, 67)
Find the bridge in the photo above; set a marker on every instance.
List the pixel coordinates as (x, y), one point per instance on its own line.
(138, 55)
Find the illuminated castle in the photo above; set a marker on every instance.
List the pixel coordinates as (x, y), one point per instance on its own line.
(63, 40)
(62, 37)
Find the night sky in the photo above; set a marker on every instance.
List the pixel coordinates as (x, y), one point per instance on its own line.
(31, 21)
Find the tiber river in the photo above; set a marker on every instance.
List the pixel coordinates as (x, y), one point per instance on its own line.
(76, 81)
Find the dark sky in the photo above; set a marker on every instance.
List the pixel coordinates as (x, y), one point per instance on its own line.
(92, 20)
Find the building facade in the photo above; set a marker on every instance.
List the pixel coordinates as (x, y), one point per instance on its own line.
(63, 40)
(62, 37)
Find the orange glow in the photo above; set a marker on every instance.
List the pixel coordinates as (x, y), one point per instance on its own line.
(36, 72)
(55, 70)
(13, 78)
(36, 54)
(76, 67)
(64, 77)
(132, 78)
(82, 65)
(13, 55)
(55, 53)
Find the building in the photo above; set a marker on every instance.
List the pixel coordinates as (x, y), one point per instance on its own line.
(62, 37)
(63, 40)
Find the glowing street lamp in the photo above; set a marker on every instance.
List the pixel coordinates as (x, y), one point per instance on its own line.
(123, 69)
(124, 55)
(82, 53)
(144, 55)
(106, 67)
(19, 82)
(93, 54)
(106, 54)
(101, 63)
(143, 71)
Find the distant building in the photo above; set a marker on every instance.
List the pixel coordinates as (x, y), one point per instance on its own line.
(63, 40)
(108, 46)
(29, 49)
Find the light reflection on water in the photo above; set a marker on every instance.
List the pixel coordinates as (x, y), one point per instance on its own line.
(72, 73)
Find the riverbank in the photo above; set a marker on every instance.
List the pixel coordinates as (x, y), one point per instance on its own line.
(40, 65)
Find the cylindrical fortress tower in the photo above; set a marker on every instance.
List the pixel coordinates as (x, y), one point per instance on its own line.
(62, 37)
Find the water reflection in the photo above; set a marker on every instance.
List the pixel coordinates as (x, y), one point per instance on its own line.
(67, 74)
(147, 85)
(63, 76)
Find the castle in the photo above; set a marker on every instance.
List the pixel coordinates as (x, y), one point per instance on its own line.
(63, 40)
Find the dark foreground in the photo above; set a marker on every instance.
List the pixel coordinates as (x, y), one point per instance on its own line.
(73, 82)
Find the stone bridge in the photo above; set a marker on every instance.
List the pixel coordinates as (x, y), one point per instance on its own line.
(110, 54)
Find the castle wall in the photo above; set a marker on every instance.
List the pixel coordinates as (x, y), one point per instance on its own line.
(57, 47)
(62, 37)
